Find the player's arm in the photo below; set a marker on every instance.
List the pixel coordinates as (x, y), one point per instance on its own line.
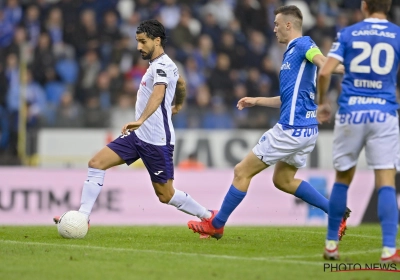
(324, 79)
(155, 100)
(180, 95)
(274, 102)
(315, 56)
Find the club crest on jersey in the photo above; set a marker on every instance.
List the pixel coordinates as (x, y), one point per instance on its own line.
(285, 66)
(335, 47)
(161, 73)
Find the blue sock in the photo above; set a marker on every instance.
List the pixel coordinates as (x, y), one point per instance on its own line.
(388, 214)
(231, 201)
(310, 195)
(337, 208)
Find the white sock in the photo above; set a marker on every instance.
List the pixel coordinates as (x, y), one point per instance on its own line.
(331, 244)
(91, 190)
(185, 203)
(388, 252)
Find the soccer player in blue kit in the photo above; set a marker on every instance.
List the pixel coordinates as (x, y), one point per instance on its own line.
(289, 142)
(151, 137)
(366, 118)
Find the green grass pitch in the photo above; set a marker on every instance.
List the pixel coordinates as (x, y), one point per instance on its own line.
(158, 252)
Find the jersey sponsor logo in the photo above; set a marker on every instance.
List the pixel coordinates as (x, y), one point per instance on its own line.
(362, 100)
(367, 84)
(158, 172)
(312, 95)
(311, 114)
(285, 66)
(373, 32)
(263, 139)
(161, 73)
(163, 64)
(305, 132)
(143, 83)
(378, 26)
(335, 47)
(363, 117)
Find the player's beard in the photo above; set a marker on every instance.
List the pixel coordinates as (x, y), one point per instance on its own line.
(148, 55)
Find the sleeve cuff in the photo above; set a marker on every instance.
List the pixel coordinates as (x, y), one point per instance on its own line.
(336, 56)
(161, 83)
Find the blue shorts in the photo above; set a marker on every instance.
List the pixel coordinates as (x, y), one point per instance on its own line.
(157, 159)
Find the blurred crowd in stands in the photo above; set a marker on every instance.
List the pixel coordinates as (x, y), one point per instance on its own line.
(77, 64)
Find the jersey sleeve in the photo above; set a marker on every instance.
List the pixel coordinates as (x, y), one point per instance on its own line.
(162, 74)
(338, 47)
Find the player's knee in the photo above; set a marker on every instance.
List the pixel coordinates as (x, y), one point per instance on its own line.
(239, 172)
(95, 163)
(280, 183)
(164, 198)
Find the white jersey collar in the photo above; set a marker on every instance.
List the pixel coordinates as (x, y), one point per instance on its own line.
(375, 20)
(288, 45)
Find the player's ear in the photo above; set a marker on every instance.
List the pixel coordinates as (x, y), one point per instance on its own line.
(157, 41)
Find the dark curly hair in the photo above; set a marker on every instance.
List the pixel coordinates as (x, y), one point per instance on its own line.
(153, 29)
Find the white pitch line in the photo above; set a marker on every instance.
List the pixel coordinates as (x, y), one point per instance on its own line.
(263, 259)
(320, 255)
(347, 234)
(285, 259)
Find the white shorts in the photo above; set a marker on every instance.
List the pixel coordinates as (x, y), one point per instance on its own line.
(377, 131)
(290, 145)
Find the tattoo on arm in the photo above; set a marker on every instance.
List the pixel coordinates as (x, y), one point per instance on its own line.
(180, 91)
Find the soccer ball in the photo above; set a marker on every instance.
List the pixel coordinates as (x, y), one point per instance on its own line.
(73, 224)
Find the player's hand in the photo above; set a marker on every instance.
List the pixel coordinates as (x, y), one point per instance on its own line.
(246, 102)
(324, 113)
(130, 127)
(176, 109)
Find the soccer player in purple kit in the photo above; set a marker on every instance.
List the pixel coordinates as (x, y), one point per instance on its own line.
(151, 137)
(289, 142)
(367, 117)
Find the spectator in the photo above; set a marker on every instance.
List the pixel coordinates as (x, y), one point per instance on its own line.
(219, 81)
(235, 51)
(220, 11)
(204, 53)
(170, 14)
(194, 78)
(123, 111)
(320, 30)
(88, 35)
(69, 112)
(43, 58)
(182, 35)
(13, 12)
(6, 31)
(94, 116)
(256, 50)
(32, 24)
(90, 68)
(54, 26)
